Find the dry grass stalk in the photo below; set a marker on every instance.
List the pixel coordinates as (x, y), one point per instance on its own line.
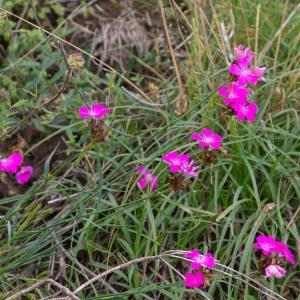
(181, 104)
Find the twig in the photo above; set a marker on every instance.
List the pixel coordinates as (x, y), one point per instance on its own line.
(122, 266)
(42, 282)
(84, 268)
(67, 78)
(293, 217)
(59, 298)
(257, 30)
(182, 101)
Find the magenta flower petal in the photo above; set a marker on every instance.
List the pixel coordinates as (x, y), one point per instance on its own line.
(153, 182)
(174, 168)
(84, 112)
(97, 107)
(208, 139)
(233, 92)
(283, 249)
(171, 158)
(24, 175)
(245, 111)
(195, 265)
(147, 179)
(98, 110)
(142, 183)
(223, 91)
(257, 74)
(184, 158)
(203, 144)
(240, 53)
(207, 133)
(196, 136)
(192, 254)
(180, 163)
(274, 271)
(235, 70)
(194, 280)
(140, 170)
(207, 260)
(12, 163)
(267, 244)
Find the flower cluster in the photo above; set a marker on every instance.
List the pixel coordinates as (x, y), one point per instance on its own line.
(198, 261)
(275, 253)
(181, 165)
(12, 164)
(236, 92)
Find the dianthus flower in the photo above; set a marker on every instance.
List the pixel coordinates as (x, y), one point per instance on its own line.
(243, 72)
(283, 250)
(194, 280)
(180, 163)
(233, 92)
(266, 244)
(206, 260)
(240, 53)
(24, 175)
(97, 111)
(244, 110)
(187, 167)
(208, 139)
(147, 179)
(258, 74)
(12, 163)
(274, 271)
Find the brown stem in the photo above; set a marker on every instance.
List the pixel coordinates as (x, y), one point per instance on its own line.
(42, 282)
(127, 264)
(62, 88)
(181, 103)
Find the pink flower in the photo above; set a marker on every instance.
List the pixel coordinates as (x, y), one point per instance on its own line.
(245, 111)
(239, 53)
(258, 72)
(147, 178)
(208, 139)
(180, 163)
(187, 167)
(12, 163)
(206, 260)
(242, 71)
(24, 175)
(173, 159)
(266, 244)
(274, 271)
(97, 111)
(194, 280)
(233, 93)
(283, 249)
